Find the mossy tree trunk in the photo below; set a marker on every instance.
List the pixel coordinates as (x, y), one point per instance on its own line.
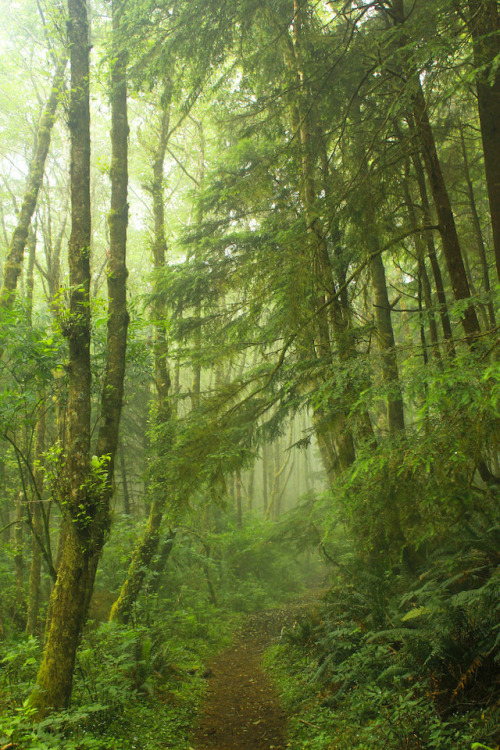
(15, 255)
(148, 543)
(67, 606)
(86, 487)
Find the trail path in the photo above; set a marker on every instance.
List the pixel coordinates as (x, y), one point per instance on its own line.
(242, 710)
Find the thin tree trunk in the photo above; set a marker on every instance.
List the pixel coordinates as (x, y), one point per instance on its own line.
(239, 503)
(161, 562)
(18, 550)
(481, 251)
(15, 255)
(446, 220)
(148, 543)
(385, 332)
(329, 314)
(251, 481)
(423, 275)
(484, 24)
(431, 252)
(196, 385)
(390, 373)
(451, 244)
(123, 471)
(265, 496)
(36, 520)
(30, 280)
(423, 341)
(121, 610)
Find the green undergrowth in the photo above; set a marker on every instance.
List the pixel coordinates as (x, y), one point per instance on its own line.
(139, 686)
(135, 686)
(424, 674)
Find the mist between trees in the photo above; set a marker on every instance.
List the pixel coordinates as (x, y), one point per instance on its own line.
(249, 340)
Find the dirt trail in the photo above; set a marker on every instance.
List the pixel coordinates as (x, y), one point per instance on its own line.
(242, 710)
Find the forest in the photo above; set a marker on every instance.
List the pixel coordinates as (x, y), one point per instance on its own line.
(249, 380)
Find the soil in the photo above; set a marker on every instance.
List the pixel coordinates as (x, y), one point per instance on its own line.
(242, 709)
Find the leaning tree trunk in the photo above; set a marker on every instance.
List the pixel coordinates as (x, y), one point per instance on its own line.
(148, 543)
(15, 256)
(86, 486)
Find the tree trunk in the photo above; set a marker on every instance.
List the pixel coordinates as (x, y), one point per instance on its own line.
(485, 29)
(432, 255)
(148, 544)
(451, 245)
(390, 373)
(265, 489)
(161, 562)
(239, 503)
(196, 385)
(15, 255)
(30, 280)
(36, 520)
(481, 251)
(123, 471)
(385, 332)
(251, 481)
(86, 488)
(18, 551)
(331, 419)
(447, 227)
(422, 270)
(121, 610)
(68, 600)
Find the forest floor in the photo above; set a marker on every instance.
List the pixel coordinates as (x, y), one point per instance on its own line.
(242, 709)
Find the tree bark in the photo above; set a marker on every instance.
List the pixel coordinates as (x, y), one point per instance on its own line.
(148, 544)
(432, 255)
(331, 419)
(418, 112)
(15, 255)
(86, 486)
(121, 610)
(385, 332)
(481, 250)
(67, 606)
(36, 520)
(265, 490)
(18, 552)
(451, 244)
(390, 372)
(484, 24)
(422, 270)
